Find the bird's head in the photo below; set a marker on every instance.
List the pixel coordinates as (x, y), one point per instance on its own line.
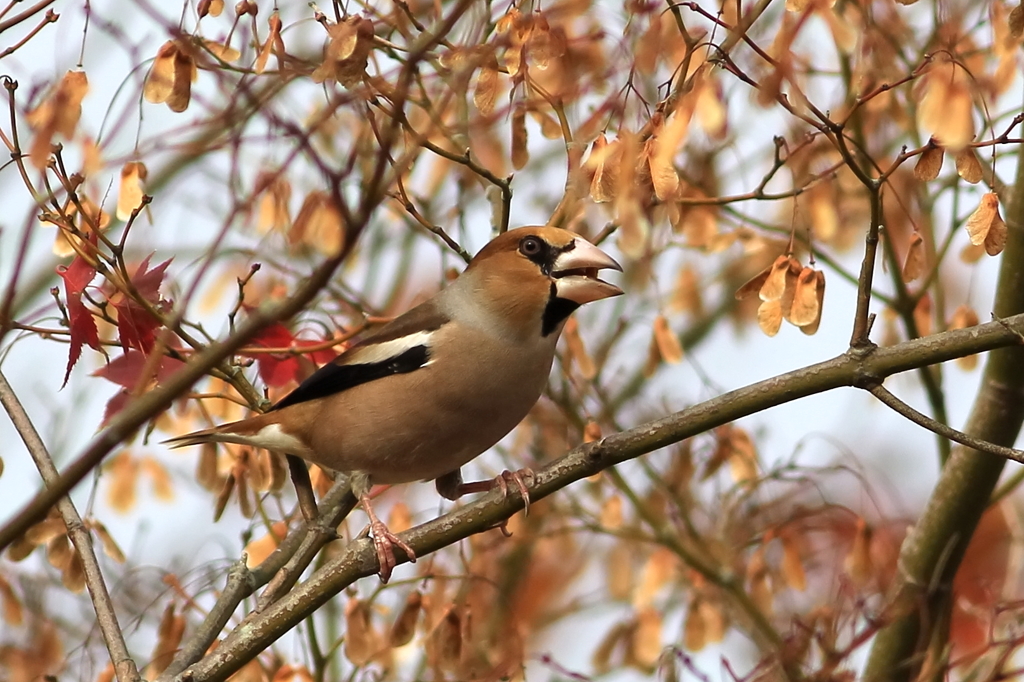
(540, 275)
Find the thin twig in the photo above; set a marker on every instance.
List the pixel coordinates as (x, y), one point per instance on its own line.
(18, 18)
(50, 18)
(937, 427)
(146, 406)
(279, 570)
(106, 618)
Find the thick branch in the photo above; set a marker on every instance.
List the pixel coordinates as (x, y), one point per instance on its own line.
(858, 367)
(932, 551)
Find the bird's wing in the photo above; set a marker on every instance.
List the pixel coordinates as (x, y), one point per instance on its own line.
(402, 345)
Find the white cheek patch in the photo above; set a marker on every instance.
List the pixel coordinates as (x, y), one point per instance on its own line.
(382, 352)
(272, 437)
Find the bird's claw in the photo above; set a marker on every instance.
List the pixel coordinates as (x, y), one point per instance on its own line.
(503, 527)
(517, 478)
(384, 542)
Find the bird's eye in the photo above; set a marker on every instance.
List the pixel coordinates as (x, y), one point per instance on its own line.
(530, 246)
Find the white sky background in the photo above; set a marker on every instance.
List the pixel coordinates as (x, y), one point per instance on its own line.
(899, 457)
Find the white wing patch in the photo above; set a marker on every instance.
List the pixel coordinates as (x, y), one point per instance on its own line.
(382, 352)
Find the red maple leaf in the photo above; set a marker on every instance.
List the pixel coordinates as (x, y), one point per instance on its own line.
(127, 371)
(136, 326)
(80, 320)
(115, 405)
(147, 282)
(321, 356)
(277, 369)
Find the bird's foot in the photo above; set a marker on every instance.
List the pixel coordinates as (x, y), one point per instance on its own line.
(384, 542)
(501, 482)
(518, 479)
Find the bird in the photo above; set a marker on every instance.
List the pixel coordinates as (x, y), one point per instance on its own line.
(433, 388)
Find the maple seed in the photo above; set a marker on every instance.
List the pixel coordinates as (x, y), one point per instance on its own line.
(160, 80)
(577, 351)
(210, 7)
(667, 342)
(132, 189)
(646, 642)
(913, 266)
(930, 162)
(223, 52)
(923, 315)
(1016, 21)
(275, 195)
(804, 309)
(58, 114)
(319, 224)
(601, 164)
(946, 106)
(520, 152)
(171, 76)
(404, 627)
(273, 43)
(775, 284)
(169, 635)
(968, 166)
(360, 638)
(686, 297)
(485, 94)
(986, 227)
(858, 562)
(346, 53)
(963, 317)
(661, 150)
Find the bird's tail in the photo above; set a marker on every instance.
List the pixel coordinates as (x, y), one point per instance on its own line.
(218, 434)
(261, 431)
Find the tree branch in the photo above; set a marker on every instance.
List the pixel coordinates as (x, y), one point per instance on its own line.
(124, 667)
(934, 548)
(148, 405)
(858, 367)
(937, 427)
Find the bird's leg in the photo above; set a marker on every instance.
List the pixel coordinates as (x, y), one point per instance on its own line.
(450, 486)
(303, 487)
(384, 541)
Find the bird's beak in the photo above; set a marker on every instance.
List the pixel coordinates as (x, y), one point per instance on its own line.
(575, 273)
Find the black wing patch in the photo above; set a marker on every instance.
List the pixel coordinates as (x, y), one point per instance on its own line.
(333, 378)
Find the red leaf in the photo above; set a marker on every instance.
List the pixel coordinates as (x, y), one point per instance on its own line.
(80, 320)
(274, 336)
(321, 356)
(136, 327)
(126, 370)
(116, 404)
(76, 276)
(148, 283)
(276, 369)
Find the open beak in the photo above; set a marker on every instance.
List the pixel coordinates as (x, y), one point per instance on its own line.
(575, 273)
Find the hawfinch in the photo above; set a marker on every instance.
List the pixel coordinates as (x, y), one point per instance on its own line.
(440, 384)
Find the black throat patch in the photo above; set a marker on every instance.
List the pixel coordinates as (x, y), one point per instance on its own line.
(556, 312)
